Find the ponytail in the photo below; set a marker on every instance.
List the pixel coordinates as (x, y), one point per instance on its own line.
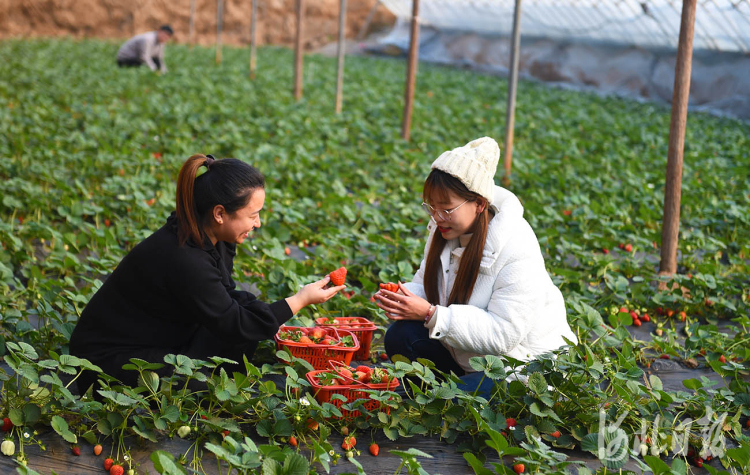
(439, 183)
(228, 182)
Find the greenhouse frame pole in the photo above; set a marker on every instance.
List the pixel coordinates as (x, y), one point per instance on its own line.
(191, 28)
(253, 41)
(298, 53)
(510, 113)
(411, 72)
(673, 189)
(341, 49)
(219, 21)
(368, 20)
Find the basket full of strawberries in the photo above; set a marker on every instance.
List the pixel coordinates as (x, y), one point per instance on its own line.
(317, 345)
(352, 384)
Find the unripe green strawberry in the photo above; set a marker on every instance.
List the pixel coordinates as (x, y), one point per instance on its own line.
(183, 431)
(8, 447)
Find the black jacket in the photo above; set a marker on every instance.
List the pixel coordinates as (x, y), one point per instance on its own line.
(162, 294)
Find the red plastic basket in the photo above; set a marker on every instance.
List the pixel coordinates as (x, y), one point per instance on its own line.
(360, 326)
(318, 355)
(351, 392)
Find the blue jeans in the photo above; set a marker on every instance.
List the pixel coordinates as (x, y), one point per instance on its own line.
(411, 339)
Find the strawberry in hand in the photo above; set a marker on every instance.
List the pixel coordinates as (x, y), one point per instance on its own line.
(338, 277)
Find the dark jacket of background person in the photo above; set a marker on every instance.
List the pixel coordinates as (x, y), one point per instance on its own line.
(163, 299)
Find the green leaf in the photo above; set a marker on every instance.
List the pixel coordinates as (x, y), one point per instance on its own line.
(476, 465)
(164, 463)
(31, 413)
(295, 464)
(657, 465)
(537, 383)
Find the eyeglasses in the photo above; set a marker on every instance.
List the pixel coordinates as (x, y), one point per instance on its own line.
(441, 214)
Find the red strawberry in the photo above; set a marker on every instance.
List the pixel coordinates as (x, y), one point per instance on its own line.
(107, 222)
(664, 357)
(636, 322)
(287, 251)
(317, 333)
(293, 441)
(108, 463)
(7, 424)
(362, 376)
(723, 359)
(346, 373)
(510, 422)
(305, 339)
(156, 155)
(567, 212)
(624, 310)
(628, 247)
(519, 468)
(364, 369)
(349, 443)
(605, 250)
(338, 276)
(670, 312)
(76, 450)
(556, 434)
(683, 316)
(97, 449)
(383, 356)
(312, 424)
(645, 317)
(116, 470)
(374, 449)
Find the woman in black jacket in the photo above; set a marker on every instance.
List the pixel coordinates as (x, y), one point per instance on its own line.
(174, 293)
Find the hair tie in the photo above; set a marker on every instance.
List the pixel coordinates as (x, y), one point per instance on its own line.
(209, 161)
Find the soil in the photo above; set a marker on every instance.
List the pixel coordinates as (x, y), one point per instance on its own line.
(125, 18)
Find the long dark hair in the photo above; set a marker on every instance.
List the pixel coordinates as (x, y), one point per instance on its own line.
(228, 182)
(438, 184)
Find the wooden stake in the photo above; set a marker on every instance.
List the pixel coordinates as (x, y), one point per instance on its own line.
(191, 29)
(673, 189)
(253, 41)
(510, 113)
(219, 20)
(341, 49)
(298, 52)
(411, 72)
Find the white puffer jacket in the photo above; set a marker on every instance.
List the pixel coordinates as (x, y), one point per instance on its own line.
(515, 308)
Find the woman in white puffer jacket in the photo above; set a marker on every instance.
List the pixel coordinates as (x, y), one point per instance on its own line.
(482, 288)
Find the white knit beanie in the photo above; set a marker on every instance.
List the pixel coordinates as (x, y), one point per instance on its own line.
(474, 164)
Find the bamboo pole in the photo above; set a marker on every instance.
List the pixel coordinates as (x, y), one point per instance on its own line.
(219, 21)
(253, 40)
(341, 49)
(673, 189)
(298, 52)
(510, 113)
(411, 72)
(191, 28)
